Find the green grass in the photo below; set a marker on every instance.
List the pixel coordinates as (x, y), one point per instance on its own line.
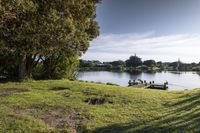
(60, 106)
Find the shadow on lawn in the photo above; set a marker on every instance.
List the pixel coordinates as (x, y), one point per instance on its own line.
(5, 80)
(184, 116)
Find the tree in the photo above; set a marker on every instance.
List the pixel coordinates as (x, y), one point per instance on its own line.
(88, 63)
(64, 67)
(149, 63)
(133, 61)
(33, 30)
(118, 63)
(159, 63)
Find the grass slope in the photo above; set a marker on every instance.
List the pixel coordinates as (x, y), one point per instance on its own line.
(62, 106)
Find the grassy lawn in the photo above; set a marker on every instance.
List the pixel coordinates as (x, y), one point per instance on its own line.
(72, 106)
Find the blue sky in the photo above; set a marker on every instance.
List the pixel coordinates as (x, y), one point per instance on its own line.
(153, 29)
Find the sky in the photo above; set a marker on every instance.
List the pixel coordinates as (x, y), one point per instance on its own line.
(163, 30)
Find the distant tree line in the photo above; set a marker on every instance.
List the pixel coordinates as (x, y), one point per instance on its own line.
(136, 63)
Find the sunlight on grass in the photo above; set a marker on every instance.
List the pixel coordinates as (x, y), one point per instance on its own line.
(62, 106)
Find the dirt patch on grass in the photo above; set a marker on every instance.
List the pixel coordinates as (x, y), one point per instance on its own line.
(8, 91)
(59, 88)
(95, 101)
(58, 117)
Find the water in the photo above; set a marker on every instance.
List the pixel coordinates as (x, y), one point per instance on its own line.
(177, 81)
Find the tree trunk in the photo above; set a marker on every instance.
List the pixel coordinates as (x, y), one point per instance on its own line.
(22, 68)
(28, 74)
(29, 67)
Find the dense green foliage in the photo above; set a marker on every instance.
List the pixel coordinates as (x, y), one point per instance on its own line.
(86, 65)
(62, 106)
(47, 32)
(133, 61)
(118, 63)
(149, 63)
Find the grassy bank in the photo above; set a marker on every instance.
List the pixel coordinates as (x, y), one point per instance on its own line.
(66, 106)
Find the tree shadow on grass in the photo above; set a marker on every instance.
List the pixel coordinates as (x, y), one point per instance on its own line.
(5, 80)
(184, 116)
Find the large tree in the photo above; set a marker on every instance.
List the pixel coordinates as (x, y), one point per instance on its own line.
(133, 61)
(31, 30)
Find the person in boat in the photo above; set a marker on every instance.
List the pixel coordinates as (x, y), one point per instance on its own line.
(145, 82)
(129, 83)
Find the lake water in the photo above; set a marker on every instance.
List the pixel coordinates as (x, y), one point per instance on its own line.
(177, 81)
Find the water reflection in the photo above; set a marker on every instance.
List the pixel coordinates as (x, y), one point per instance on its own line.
(177, 81)
(133, 75)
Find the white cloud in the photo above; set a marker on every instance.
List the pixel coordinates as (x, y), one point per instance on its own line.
(148, 46)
